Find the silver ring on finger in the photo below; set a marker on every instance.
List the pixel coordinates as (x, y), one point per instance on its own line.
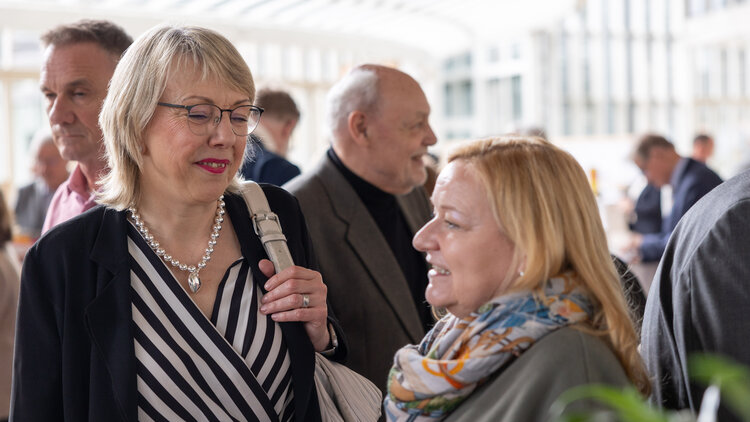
(305, 301)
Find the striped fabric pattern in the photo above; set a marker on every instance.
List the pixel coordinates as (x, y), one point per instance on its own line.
(234, 366)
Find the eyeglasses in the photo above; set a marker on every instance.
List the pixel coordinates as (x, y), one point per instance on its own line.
(243, 119)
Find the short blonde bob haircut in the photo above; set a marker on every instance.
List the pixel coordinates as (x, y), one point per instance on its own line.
(541, 198)
(136, 87)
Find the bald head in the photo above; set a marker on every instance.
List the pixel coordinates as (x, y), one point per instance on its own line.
(379, 124)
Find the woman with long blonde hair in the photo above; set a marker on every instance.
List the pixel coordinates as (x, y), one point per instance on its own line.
(519, 259)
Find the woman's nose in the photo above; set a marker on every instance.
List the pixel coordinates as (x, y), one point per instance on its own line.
(424, 239)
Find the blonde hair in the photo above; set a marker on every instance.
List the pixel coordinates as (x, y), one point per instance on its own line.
(541, 198)
(138, 83)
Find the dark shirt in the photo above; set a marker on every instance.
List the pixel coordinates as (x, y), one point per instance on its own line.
(265, 166)
(387, 214)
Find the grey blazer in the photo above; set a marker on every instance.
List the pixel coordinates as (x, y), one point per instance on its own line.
(366, 287)
(526, 389)
(699, 298)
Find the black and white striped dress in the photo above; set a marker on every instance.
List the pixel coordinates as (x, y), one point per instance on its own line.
(233, 367)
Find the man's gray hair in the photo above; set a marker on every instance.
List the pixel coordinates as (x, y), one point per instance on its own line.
(109, 36)
(358, 90)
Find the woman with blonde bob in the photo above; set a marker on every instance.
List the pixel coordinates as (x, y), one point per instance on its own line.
(160, 304)
(519, 259)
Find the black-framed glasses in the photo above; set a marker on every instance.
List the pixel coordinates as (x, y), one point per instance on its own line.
(202, 118)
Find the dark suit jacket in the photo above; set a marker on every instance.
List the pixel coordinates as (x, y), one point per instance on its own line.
(268, 167)
(74, 357)
(366, 287)
(695, 181)
(699, 297)
(648, 211)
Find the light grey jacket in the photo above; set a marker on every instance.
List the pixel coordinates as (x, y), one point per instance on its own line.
(526, 389)
(366, 287)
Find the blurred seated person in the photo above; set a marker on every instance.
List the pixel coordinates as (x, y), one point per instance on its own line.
(703, 148)
(689, 179)
(166, 308)
(8, 300)
(49, 170)
(266, 160)
(520, 262)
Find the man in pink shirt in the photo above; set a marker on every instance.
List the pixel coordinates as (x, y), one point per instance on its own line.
(79, 60)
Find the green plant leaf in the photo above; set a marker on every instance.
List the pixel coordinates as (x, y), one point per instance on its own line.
(627, 403)
(732, 378)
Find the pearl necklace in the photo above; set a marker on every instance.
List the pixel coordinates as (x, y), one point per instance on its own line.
(194, 282)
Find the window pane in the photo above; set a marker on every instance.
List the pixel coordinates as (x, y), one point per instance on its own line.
(26, 118)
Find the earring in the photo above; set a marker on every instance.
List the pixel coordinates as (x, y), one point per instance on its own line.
(521, 273)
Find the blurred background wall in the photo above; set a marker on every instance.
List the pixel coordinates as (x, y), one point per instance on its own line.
(593, 74)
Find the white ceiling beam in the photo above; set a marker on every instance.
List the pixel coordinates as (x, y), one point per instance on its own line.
(40, 18)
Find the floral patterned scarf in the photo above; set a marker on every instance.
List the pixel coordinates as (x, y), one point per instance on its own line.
(431, 379)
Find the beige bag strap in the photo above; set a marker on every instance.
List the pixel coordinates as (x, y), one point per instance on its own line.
(266, 225)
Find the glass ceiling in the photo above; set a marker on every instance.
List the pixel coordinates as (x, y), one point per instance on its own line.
(435, 28)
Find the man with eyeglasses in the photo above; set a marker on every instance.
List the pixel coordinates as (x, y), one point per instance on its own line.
(363, 203)
(79, 60)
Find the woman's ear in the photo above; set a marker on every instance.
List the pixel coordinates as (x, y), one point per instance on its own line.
(522, 266)
(142, 150)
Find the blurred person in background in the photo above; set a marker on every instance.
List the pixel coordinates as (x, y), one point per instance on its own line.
(527, 130)
(519, 259)
(8, 302)
(432, 167)
(689, 180)
(364, 201)
(703, 148)
(266, 161)
(160, 304)
(79, 60)
(32, 201)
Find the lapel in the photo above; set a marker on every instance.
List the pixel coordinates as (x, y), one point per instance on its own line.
(689, 162)
(369, 244)
(108, 316)
(300, 349)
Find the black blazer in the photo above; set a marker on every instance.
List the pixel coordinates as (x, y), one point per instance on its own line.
(268, 167)
(74, 356)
